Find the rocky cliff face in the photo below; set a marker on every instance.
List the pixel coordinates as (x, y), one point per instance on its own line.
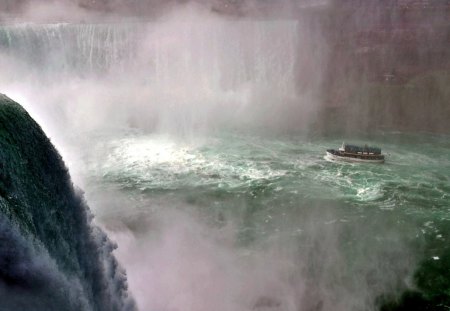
(391, 41)
(389, 64)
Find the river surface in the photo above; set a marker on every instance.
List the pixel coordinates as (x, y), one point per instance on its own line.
(268, 222)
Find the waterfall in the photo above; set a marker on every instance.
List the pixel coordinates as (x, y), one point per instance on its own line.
(52, 257)
(226, 56)
(180, 72)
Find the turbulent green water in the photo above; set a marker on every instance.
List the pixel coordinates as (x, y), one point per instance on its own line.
(360, 236)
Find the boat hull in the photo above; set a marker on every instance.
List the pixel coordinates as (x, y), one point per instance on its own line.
(340, 158)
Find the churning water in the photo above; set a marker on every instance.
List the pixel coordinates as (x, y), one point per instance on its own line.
(240, 221)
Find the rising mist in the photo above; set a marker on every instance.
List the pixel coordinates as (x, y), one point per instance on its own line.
(87, 70)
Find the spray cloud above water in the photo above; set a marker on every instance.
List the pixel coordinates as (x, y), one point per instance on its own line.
(189, 69)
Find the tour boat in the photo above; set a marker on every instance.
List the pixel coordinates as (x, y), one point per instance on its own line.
(352, 153)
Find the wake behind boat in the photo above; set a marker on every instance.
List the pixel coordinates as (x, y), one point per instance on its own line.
(352, 153)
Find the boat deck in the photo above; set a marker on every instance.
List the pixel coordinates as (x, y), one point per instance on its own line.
(355, 157)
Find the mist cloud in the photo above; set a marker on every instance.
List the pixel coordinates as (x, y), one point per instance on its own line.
(91, 10)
